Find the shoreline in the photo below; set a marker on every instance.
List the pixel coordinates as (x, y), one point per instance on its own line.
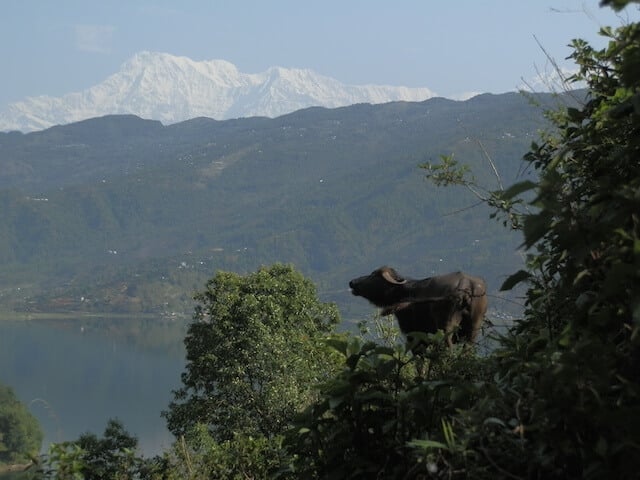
(37, 316)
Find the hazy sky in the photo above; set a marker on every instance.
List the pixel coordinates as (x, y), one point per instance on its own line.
(53, 47)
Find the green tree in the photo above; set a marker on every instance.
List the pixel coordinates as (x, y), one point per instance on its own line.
(566, 398)
(20, 433)
(252, 354)
(110, 457)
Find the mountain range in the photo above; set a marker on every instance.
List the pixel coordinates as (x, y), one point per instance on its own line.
(171, 89)
(123, 214)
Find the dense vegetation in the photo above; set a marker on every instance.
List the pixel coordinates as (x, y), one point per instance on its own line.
(264, 365)
(20, 434)
(559, 397)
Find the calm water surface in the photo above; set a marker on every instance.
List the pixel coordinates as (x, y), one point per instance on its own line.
(77, 374)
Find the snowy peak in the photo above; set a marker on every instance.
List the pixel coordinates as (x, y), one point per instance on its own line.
(170, 88)
(162, 65)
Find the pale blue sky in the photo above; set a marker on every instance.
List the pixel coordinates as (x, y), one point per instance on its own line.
(53, 47)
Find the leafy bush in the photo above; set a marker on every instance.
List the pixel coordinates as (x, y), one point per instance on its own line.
(382, 406)
(20, 433)
(112, 457)
(238, 458)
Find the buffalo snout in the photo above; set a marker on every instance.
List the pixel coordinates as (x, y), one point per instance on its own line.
(366, 286)
(354, 286)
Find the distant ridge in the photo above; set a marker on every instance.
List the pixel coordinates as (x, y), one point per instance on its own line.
(122, 214)
(168, 88)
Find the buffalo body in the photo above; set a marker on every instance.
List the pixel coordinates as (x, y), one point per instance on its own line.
(455, 302)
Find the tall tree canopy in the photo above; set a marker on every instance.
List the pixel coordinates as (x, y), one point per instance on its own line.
(252, 359)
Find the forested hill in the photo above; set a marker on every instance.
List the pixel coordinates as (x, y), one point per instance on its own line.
(124, 214)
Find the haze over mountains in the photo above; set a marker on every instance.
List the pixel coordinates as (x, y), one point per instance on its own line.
(168, 88)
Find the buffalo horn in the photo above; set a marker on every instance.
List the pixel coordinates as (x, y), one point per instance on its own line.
(389, 278)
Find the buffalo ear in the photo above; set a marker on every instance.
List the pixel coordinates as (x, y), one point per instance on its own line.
(386, 274)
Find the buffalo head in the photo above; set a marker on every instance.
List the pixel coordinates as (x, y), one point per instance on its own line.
(383, 287)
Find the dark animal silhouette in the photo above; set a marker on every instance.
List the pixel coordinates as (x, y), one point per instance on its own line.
(455, 302)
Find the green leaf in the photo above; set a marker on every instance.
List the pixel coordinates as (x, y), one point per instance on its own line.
(426, 444)
(335, 402)
(575, 115)
(517, 189)
(340, 345)
(374, 395)
(515, 279)
(536, 227)
(636, 312)
(494, 421)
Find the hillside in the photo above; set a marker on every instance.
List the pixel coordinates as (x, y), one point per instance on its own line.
(123, 214)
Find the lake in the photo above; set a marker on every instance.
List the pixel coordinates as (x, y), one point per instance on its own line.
(75, 374)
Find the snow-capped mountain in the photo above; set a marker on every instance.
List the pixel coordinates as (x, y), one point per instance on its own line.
(168, 88)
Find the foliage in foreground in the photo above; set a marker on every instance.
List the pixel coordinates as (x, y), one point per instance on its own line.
(20, 433)
(113, 456)
(565, 401)
(386, 405)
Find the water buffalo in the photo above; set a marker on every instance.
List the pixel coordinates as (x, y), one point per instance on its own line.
(455, 302)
